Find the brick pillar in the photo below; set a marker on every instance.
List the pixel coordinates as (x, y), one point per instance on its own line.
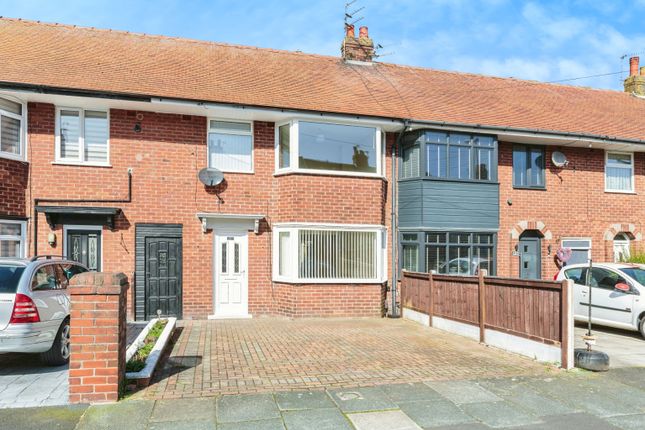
(98, 336)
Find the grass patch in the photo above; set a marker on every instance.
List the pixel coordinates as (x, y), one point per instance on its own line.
(138, 360)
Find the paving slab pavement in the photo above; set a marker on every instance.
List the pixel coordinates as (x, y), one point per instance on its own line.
(572, 400)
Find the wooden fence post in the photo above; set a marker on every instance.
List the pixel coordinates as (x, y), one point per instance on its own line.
(482, 304)
(404, 291)
(566, 324)
(430, 299)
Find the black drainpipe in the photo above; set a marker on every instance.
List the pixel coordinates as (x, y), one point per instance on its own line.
(37, 201)
(395, 270)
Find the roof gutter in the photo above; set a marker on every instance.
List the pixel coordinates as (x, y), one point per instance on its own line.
(492, 129)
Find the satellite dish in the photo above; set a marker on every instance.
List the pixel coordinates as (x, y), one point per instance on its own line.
(559, 159)
(210, 176)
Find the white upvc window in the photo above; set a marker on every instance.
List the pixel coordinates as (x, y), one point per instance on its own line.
(323, 253)
(619, 172)
(580, 249)
(12, 128)
(13, 238)
(230, 145)
(82, 136)
(329, 148)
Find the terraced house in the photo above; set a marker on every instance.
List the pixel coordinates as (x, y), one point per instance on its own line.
(319, 175)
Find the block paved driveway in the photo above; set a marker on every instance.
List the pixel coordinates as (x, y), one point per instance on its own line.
(269, 354)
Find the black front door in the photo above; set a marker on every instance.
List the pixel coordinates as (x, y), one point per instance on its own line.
(84, 246)
(163, 276)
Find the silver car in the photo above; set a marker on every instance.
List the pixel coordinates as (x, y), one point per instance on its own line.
(35, 305)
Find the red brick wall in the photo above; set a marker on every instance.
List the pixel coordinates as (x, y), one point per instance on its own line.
(98, 337)
(13, 187)
(573, 205)
(329, 300)
(166, 157)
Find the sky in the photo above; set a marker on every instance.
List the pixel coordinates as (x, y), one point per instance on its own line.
(545, 40)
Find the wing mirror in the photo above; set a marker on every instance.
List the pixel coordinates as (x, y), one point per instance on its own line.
(622, 287)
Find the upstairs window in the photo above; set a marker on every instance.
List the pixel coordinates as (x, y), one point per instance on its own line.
(82, 136)
(326, 147)
(230, 146)
(619, 172)
(452, 156)
(528, 166)
(11, 123)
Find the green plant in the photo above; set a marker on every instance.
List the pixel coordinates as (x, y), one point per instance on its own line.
(138, 361)
(636, 257)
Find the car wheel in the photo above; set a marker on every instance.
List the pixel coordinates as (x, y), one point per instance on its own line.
(60, 351)
(641, 326)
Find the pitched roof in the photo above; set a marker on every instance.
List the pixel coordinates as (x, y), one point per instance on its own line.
(113, 61)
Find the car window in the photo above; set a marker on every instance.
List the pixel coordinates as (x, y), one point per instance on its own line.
(61, 277)
(635, 273)
(45, 279)
(577, 275)
(605, 279)
(73, 269)
(9, 278)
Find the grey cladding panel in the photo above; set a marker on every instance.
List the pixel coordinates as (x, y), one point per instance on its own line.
(448, 205)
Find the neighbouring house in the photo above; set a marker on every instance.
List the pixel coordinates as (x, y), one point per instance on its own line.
(104, 133)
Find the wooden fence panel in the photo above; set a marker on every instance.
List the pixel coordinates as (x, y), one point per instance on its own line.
(527, 308)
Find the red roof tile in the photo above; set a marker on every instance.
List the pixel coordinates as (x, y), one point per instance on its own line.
(113, 61)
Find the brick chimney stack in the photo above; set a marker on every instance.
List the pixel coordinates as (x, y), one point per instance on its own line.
(635, 82)
(359, 48)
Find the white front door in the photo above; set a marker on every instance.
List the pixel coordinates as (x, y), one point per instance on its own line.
(231, 279)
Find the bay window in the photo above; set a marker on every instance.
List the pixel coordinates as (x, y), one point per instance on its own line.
(619, 172)
(452, 156)
(327, 147)
(230, 146)
(13, 239)
(82, 136)
(11, 126)
(329, 254)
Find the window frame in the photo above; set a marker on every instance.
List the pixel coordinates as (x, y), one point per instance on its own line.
(22, 144)
(578, 248)
(423, 244)
(423, 144)
(250, 133)
(293, 249)
(294, 149)
(631, 167)
(22, 238)
(80, 161)
(527, 153)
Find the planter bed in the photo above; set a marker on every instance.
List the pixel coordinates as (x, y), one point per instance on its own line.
(143, 355)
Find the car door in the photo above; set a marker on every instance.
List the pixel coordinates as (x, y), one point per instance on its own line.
(46, 291)
(609, 305)
(578, 276)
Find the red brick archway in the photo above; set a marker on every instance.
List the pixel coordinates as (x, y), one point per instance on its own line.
(631, 230)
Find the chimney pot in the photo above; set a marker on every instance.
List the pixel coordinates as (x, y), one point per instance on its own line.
(349, 31)
(643, 71)
(362, 33)
(633, 66)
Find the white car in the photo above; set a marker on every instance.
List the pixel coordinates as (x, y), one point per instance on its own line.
(617, 294)
(35, 305)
